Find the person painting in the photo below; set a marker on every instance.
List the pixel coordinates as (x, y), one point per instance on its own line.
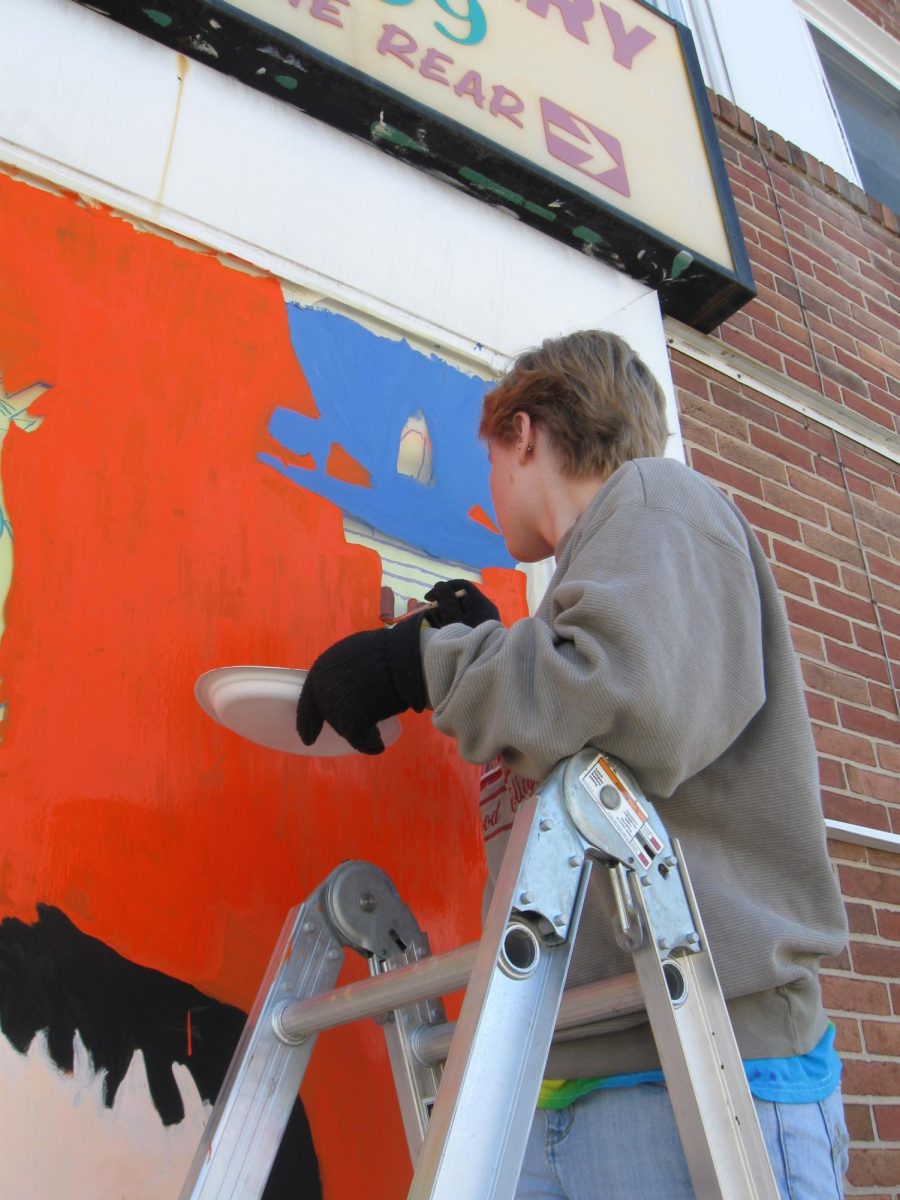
(662, 640)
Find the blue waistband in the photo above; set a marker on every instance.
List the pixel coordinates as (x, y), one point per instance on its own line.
(800, 1079)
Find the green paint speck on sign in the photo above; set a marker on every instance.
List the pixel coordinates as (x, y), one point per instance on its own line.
(680, 263)
(539, 211)
(160, 18)
(286, 81)
(491, 185)
(387, 133)
(587, 235)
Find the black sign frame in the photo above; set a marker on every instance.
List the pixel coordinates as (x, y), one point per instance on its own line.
(691, 287)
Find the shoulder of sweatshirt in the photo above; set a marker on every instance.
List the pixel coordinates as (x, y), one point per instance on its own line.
(665, 486)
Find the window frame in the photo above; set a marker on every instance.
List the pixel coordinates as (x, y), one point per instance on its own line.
(859, 36)
(862, 40)
(838, 20)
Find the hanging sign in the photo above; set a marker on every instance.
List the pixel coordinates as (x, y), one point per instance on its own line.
(588, 120)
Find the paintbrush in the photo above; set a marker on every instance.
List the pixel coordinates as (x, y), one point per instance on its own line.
(419, 609)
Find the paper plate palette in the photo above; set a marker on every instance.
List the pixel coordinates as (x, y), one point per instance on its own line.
(260, 704)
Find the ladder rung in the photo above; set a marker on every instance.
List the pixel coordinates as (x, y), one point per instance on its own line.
(438, 975)
(617, 997)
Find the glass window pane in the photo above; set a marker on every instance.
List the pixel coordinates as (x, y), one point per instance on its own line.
(869, 110)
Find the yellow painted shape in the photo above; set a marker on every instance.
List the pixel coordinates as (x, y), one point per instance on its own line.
(13, 411)
(414, 456)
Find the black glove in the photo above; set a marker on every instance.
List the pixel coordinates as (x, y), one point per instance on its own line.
(472, 608)
(361, 680)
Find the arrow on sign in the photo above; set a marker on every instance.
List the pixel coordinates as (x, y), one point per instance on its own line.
(581, 145)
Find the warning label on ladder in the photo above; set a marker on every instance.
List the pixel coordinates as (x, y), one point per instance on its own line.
(622, 810)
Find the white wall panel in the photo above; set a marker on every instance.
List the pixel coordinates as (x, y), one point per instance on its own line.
(356, 216)
(75, 92)
(773, 73)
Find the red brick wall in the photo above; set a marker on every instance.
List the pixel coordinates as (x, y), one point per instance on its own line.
(826, 260)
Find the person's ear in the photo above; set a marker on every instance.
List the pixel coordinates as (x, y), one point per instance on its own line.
(524, 427)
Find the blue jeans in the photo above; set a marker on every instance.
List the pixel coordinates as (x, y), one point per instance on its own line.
(622, 1144)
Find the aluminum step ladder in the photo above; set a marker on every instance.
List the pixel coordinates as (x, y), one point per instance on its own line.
(467, 1092)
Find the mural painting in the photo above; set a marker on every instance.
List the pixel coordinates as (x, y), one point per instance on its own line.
(214, 474)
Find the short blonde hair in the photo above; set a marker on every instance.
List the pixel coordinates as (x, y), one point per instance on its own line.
(593, 396)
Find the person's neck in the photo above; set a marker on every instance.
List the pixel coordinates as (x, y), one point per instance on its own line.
(567, 501)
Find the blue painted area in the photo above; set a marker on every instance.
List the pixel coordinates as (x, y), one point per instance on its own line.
(365, 388)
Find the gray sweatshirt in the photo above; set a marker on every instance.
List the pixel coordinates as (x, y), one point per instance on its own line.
(663, 641)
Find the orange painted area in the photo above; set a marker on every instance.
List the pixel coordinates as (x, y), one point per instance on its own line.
(507, 590)
(152, 545)
(477, 514)
(343, 466)
(305, 462)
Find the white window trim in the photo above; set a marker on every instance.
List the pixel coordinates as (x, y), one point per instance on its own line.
(857, 34)
(861, 38)
(863, 835)
(714, 353)
(699, 18)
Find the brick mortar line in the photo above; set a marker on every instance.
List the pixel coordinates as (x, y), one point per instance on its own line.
(826, 724)
(849, 973)
(811, 690)
(877, 906)
(853, 794)
(891, 906)
(802, 161)
(864, 864)
(836, 612)
(876, 607)
(869, 940)
(877, 739)
(856, 1055)
(861, 1056)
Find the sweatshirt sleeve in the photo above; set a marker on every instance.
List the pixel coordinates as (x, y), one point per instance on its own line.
(651, 651)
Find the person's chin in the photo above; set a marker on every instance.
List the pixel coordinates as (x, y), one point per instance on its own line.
(527, 554)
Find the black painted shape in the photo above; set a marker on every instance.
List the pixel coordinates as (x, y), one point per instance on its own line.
(55, 978)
